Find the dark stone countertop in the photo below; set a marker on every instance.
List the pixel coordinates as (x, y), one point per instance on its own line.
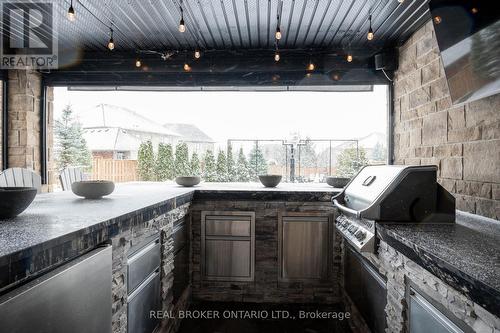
(61, 215)
(465, 254)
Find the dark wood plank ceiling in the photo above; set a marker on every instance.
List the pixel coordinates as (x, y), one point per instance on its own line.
(237, 24)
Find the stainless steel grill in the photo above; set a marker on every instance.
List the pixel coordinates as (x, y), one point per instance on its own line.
(390, 194)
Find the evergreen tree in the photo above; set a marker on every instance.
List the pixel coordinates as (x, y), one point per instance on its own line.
(195, 165)
(231, 167)
(242, 171)
(209, 173)
(379, 152)
(164, 166)
(257, 163)
(221, 167)
(71, 147)
(182, 167)
(308, 156)
(146, 161)
(348, 163)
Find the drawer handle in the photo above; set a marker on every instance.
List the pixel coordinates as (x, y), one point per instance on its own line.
(143, 285)
(143, 251)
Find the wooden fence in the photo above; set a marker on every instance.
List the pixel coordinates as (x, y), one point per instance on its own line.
(118, 171)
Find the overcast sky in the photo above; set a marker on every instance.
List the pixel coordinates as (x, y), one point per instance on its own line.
(250, 115)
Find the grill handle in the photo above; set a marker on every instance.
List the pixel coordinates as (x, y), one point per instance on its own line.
(345, 209)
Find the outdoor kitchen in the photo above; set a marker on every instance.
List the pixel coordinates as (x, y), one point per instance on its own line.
(250, 166)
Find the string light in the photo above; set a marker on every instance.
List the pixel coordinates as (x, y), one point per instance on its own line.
(370, 35)
(437, 19)
(197, 54)
(349, 57)
(71, 12)
(474, 10)
(277, 56)
(111, 43)
(277, 34)
(311, 66)
(187, 68)
(182, 26)
(138, 63)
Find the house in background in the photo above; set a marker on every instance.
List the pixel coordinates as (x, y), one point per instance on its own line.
(114, 132)
(197, 140)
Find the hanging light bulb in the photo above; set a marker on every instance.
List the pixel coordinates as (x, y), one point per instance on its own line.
(138, 63)
(187, 68)
(474, 10)
(71, 12)
(311, 66)
(197, 54)
(437, 19)
(349, 57)
(277, 56)
(370, 35)
(278, 33)
(182, 26)
(111, 43)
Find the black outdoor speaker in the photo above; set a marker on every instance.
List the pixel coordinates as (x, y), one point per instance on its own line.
(386, 60)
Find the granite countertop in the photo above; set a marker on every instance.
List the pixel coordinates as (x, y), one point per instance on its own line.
(58, 214)
(465, 254)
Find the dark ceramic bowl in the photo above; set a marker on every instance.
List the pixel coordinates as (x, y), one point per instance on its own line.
(188, 181)
(14, 200)
(270, 180)
(93, 189)
(337, 182)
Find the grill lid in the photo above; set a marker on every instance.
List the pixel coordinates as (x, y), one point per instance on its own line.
(396, 193)
(370, 183)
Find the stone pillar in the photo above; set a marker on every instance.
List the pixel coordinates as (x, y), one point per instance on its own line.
(25, 88)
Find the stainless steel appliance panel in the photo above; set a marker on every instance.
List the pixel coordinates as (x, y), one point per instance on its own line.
(144, 299)
(228, 226)
(181, 236)
(227, 258)
(425, 318)
(304, 248)
(366, 288)
(75, 297)
(228, 245)
(142, 263)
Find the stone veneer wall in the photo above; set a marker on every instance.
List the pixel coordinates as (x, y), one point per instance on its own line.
(121, 245)
(265, 287)
(24, 123)
(399, 269)
(463, 140)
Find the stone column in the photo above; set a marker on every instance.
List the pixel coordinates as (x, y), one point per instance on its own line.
(25, 88)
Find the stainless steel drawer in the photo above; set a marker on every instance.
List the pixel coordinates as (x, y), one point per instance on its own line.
(228, 226)
(228, 258)
(180, 236)
(144, 299)
(142, 263)
(75, 297)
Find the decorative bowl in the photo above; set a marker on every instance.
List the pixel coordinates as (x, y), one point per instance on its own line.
(93, 189)
(14, 200)
(337, 182)
(188, 181)
(270, 180)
